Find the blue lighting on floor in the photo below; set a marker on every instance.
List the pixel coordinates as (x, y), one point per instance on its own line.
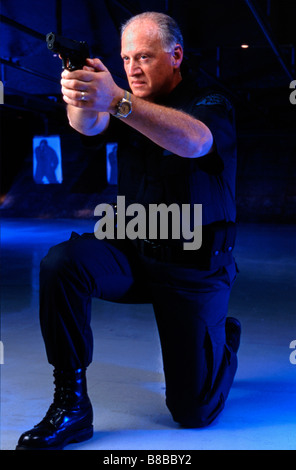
(125, 379)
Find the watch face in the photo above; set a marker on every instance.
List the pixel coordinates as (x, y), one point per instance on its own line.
(125, 108)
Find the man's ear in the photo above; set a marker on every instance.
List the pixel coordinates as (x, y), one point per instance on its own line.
(177, 56)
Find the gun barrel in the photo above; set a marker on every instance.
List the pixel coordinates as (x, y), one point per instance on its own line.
(56, 43)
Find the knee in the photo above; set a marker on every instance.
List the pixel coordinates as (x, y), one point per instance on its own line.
(196, 415)
(55, 261)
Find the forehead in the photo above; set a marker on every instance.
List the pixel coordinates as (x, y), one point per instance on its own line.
(140, 34)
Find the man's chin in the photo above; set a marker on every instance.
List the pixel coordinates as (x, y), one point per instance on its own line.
(143, 94)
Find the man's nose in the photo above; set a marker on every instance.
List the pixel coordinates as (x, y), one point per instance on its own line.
(134, 68)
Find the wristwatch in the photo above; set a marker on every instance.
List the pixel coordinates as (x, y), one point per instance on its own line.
(124, 107)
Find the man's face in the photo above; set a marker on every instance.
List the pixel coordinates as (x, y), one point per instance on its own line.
(150, 70)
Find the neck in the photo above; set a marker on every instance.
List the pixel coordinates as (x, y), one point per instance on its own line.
(167, 89)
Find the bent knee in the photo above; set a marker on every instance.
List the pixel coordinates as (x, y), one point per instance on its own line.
(56, 259)
(197, 415)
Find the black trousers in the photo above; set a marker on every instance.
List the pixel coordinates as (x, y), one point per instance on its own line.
(190, 307)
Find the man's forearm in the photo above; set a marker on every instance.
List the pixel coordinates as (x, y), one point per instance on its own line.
(171, 129)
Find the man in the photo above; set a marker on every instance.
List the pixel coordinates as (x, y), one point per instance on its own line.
(175, 145)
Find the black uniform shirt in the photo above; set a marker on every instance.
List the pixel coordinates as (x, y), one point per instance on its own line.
(148, 173)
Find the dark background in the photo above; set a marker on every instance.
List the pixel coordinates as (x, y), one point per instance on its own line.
(257, 79)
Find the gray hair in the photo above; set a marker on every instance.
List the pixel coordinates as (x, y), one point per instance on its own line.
(168, 30)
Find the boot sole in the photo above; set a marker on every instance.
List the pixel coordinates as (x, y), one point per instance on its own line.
(79, 436)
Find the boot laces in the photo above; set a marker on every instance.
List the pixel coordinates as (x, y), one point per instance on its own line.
(66, 395)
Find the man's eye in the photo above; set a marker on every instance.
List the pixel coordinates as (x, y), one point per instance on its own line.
(143, 57)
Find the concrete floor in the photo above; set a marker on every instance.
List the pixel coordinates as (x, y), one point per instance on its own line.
(125, 379)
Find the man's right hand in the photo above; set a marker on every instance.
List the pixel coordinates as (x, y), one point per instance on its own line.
(92, 88)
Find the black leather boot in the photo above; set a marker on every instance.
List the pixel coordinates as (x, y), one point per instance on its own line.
(68, 419)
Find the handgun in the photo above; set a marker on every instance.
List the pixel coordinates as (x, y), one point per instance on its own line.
(73, 53)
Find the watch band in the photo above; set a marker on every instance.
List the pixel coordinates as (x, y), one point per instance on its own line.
(127, 95)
